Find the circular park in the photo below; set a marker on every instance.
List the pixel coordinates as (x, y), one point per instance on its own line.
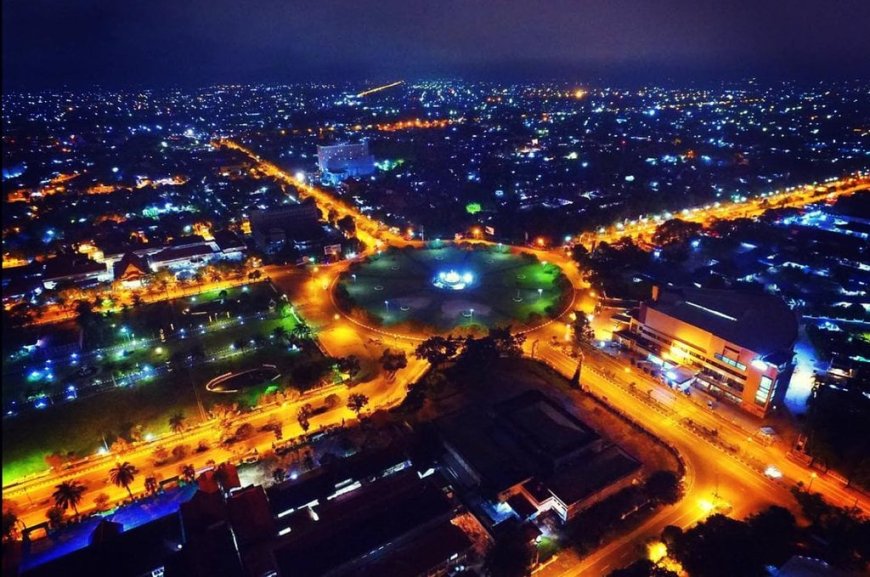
(443, 287)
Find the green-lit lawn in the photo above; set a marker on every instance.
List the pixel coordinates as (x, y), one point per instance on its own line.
(396, 288)
(220, 346)
(133, 338)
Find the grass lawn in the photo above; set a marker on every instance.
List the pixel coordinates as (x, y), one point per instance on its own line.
(79, 426)
(398, 288)
(119, 344)
(151, 398)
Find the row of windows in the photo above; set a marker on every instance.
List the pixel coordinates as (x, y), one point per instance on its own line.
(762, 395)
(731, 362)
(702, 359)
(719, 390)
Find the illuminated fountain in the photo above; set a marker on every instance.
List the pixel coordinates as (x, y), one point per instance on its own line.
(453, 280)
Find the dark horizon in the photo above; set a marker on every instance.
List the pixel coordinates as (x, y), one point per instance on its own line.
(164, 44)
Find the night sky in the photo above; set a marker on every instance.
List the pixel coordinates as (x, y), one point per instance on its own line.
(51, 43)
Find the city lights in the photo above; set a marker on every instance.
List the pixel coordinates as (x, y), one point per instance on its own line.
(446, 303)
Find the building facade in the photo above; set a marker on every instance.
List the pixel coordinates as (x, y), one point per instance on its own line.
(340, 161)
(738, 345)
(295, 223)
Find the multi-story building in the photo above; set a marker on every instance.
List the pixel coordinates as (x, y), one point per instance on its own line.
(340, 161)
(739, 345)
(295, 223)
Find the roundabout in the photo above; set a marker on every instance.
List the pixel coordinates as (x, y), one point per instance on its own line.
(443, 288)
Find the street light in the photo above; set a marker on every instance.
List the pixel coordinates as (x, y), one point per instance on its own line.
(540, 292)
(812, 478)
(387, 304)
(471, 317)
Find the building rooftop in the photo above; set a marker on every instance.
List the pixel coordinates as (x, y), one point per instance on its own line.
(418, 556)
(760, 322)
(365, 520)
(589, 476)
(528, 435)
(550, 431)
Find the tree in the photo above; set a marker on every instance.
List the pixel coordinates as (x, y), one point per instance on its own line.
(85, 315)
(279, 474)
(303, 415)
(670, 535)
(709, 549)
(507, 344)
(663, 486)
(350, 365)
(122, 475)
(580, 255)
(346, 225)
(775, 532)
(438, 350)
(244, 431)
(280, 333)
(188, 473)
(675, 231)
(150, 485)
(301, 332)
(101, 502)
(55, 517)
(643, 568)
(479, 354)
(176, 422)
(356, 402)
(310, 373)
(393, 361)
(582, 329)
(68, 494)
(332, 401)
(838, 426)
(222, 477)
(510, 556)
(10, 526)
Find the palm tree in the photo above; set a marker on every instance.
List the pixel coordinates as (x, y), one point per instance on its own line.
(123, 474)
(280, 333)
(68, 494)
(302, 331)
(188, 472)
(176, 422)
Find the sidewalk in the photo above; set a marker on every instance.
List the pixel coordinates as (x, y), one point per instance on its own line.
(782, 422)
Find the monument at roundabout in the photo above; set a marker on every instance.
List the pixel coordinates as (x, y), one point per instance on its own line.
(452, 288)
